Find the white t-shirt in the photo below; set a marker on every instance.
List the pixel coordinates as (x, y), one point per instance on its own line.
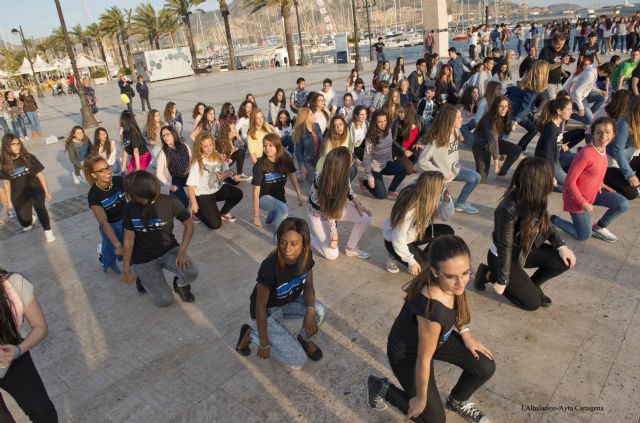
(473, 38)
(206, 182)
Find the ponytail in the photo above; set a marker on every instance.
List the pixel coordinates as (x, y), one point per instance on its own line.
(550, 111)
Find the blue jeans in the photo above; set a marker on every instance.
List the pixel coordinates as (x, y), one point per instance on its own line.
(467, 132)
(380, 57)
(5, 125)
(180, 192)
(580, 229)
(471, 178)
(19, 128)
(520, 48)
(353, 172)
(277, 211)
(35, 121)
(591, 104)
(108, 250)
(392, 168)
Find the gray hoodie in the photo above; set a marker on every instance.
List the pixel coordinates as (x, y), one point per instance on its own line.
(442, 159)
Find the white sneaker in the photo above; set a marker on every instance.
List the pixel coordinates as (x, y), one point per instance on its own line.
(391, 265)
(27, 228)
(356, 252)
(244, 177)
(603, 234)
(26, 138)
(76, 180)
(49, 236)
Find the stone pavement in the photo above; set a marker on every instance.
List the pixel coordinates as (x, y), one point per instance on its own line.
(111, 356)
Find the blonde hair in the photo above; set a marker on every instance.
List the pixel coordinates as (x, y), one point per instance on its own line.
(421, 197)
(197, 150)
(301, 124)
(536, 78)
(252, 122)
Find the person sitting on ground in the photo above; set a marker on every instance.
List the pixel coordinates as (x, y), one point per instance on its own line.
(519, 241)
(285, 290)
(433, 325)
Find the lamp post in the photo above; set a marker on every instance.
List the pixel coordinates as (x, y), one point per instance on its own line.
(368, 4)
(356, 46)
(303, 61)
(26, 50)
(88, 121)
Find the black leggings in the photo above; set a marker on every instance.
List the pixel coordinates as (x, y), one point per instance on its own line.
(23, 203)
(421, 255)
(208, 208)
(23, 383)
(616, 180)
(475, 374)
(524, 291)
(237, 157)
(482, 156)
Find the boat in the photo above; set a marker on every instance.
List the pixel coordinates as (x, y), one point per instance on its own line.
(461, 38)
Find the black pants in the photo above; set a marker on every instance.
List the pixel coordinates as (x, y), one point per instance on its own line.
(22, 204)
(475, 373)
(130, 103)
(144, 100)
(208, 211)
(421, 255)
(524, 291)
(237, 157)
(530, 127)
(24, 384)
(482, 156)
(616, 180)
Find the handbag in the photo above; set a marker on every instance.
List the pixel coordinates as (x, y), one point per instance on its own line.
(124, 98)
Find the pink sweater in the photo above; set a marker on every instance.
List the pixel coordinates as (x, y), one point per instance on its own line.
(584, 179)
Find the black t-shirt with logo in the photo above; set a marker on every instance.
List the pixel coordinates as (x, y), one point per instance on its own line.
(285, 285)
(23, 177)
(589, 51)
(154, 237)
(131, 141)
(553, 57)
(112, 200)
(271, 182)
(403, 338)
(379, 46)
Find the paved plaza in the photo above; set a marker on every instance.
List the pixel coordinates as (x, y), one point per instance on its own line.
(111, 356)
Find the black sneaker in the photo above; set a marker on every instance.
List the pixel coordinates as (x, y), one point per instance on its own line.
(140, 288)
(544, 300)
(374, 386)
(480, 279)
(184, 292)
(316, 355)
(468, 411)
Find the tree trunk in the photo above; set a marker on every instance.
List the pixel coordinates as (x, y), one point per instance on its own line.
(127, 48)
(285, 11)
(104, 58)
(192, 47)
(156, 40)
(122, 62)
(224, 10)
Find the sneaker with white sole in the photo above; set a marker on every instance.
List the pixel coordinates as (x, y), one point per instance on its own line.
(228, 217)
(466, 208)
(244, 177)
(27, 228)
(603, 234)
(356, 252)
(391, 265)
(374, 386)
(468, 411)
(76, 180)
(11, 214)
(49, 236)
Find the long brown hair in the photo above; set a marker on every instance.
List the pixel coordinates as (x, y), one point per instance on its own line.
(389, 106)
(633, 118)
(333, 140)
(443, 248)
(421, 197)
(69, 140)
(502, 124)
(443, 126)
(6, 159)
(373, 133)
(225, 144)
(550, 111)
(96, 142)
(410, 120)
(619, 104)
(333, 183)
(283, 161)
(152, 129)
(530, 187)
(301, 124)
(168, 116)
(252, 122)
(9, 333)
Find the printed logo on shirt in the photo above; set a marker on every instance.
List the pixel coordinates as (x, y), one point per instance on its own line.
(446, 335)
(113, 201)
(453, 146)
(19, 172)
(273, 177)
(292, 287)
(153, 225)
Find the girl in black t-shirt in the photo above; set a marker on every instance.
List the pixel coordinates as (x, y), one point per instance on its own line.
(285, 291)
(269, 178)
(106, 201)
(149, 243)
(133, 143)
(432, 325)
(25, 184)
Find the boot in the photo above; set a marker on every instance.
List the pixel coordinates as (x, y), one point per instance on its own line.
(184, 292)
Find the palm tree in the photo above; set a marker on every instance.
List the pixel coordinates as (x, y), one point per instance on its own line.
(152, 26)
(224, 11)
(95, 33)
(183, 9)
(285, 12)
(116, 21)
(82, 37)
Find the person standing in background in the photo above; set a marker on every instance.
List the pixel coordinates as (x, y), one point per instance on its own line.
(143, 91)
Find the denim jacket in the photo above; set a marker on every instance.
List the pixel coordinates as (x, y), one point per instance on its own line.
(621, 149)
(304, 148)
(522, 102)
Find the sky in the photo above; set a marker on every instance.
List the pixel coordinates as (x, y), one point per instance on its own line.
(40, 17)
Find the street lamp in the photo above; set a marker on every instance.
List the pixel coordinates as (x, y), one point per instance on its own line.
(88, 121)
(356, 46)
(368, 4)
(26, 50)
(303, 61)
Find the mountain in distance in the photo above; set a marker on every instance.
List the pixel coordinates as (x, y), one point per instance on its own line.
(564, 6)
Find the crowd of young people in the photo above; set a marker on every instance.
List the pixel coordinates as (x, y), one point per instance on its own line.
(411, 129)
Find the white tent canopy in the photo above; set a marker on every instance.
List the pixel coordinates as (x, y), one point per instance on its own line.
(39, 65)
(82, 61)
(3, 74)
(25, 68)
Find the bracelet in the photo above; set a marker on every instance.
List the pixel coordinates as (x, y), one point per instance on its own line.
(268, 347)
(313, 308)
(19, 353)
(464, 330)
(117, 245)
